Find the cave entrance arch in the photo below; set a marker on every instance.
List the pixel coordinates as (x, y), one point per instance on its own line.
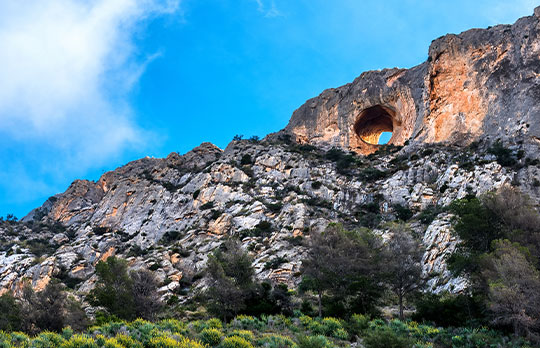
(373, 122)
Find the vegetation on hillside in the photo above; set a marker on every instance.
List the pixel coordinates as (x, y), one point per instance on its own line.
(267, 331)
(348, 277)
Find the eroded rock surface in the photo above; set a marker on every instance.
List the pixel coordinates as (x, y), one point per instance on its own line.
(169, 214)
(482, 83)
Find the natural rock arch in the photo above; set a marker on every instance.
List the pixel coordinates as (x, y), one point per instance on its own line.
(372, 122)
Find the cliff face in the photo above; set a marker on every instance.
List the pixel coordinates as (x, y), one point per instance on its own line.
(169, 214)
(482, 83)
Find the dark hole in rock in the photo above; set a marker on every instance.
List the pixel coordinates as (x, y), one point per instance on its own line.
(373, 122)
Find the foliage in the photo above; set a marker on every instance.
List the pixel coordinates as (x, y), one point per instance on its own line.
(125, 295)
(402, 212)
(50, 309)
(318, 341)
(263, 332)
(246, 160)
(449, 310)
(10, 320)
(230, 272)
(504, 155)
(340, 268)
(385, 337)
(403, 264)
(514, 287)
(211, 337)
(235, 342)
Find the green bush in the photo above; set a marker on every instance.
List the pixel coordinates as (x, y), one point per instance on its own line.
(47, 340)
(318, 341)
(80, 341)
(214, 323)
(235, 342)
(402, 212)
(246, 160)
(248, 322)
(358, 324)
(504, 156)
(276, 341)
(172, 325)
(245, 334)
(207, 205)
(127, 341)
(331, 325)
(212, 337)
(385, 337)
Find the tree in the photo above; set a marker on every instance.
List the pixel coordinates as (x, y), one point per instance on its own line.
(518, 218)
(114, 288)
(50, 309)
(403, 263)
(145, 295)
(125, 295)
(342, 264)
(514, 287)
(230, 274)
(10, 320)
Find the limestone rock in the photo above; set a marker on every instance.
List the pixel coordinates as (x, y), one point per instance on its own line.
(482, 83)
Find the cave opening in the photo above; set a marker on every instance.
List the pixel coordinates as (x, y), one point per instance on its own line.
(375, 125)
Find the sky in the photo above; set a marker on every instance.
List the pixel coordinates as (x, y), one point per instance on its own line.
(89, 85)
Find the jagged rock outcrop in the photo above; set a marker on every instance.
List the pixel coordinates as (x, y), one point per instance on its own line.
(482, 83)
(168, 214)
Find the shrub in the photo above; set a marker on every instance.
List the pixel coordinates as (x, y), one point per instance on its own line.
(245, 334)
(274, 207)
(371, 174)
(330, 325)
(235, 342)
(10, 320)
(316, 185)
(450, 310)
(246, 160)
(172, 325)
(384, 337)
(318, 341)
(358, 324)
(214, 323)
(340, 334)
(402, 212)
(211, 337)
(276, 341)
(207, 205)
(108, 343)
(47, 340)
(504, 156)
(275, 263)
(127, 341)
(80, 341)
(248, 322)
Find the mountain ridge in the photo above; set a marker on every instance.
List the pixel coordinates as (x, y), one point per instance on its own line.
(168, 214)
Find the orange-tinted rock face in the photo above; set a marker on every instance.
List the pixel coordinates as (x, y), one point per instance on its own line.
(483, 83)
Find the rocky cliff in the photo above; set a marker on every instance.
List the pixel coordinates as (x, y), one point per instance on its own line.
(169, 214)
(482, 83)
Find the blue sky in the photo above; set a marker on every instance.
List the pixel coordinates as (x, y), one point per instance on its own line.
(88, 85)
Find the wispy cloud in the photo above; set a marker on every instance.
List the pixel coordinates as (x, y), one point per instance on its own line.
(66, 68)
(269, 9)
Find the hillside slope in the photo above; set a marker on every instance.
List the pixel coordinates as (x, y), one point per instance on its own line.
(169, 214)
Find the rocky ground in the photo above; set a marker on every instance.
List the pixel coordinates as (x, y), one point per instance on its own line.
(169, 214)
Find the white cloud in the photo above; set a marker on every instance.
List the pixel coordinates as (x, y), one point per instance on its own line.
(66, 67)
(270, 10)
